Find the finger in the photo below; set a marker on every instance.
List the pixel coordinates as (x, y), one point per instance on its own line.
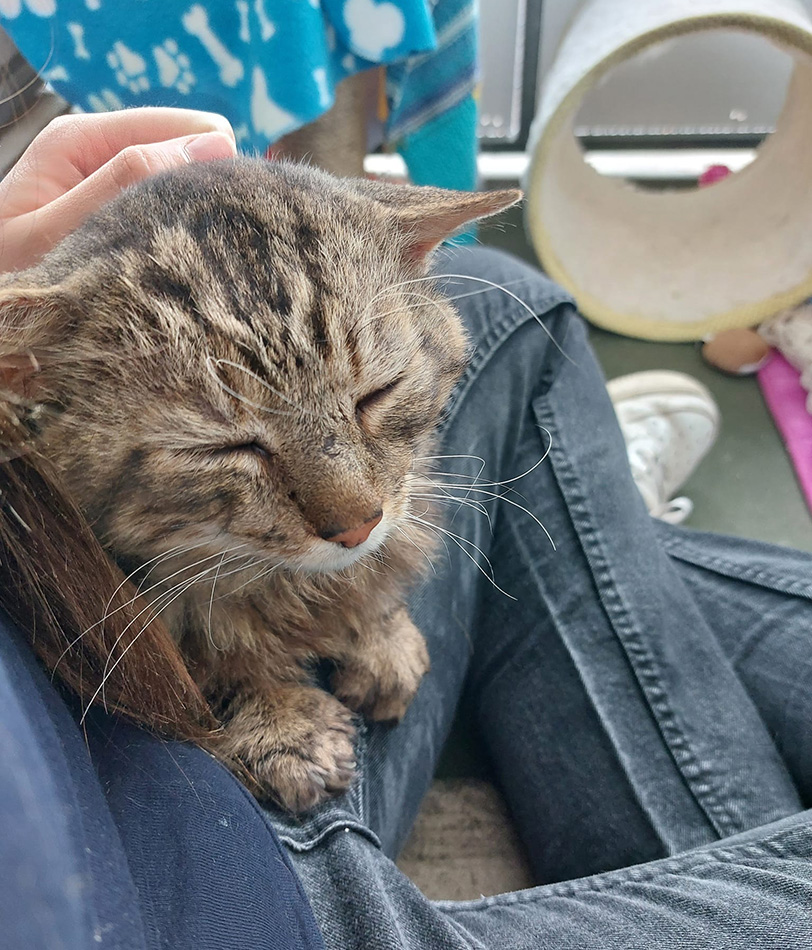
(136, 162)
(73, 147)
(34, 234)
(108, 133)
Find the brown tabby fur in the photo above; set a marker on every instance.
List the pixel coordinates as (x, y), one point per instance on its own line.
(228, 365)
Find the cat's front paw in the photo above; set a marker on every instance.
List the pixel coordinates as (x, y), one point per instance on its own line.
(296, 744)
(381, 682)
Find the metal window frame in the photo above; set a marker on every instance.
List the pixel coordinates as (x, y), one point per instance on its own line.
(526, 81)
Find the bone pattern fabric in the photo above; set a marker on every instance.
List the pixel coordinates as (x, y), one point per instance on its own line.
(270, 66)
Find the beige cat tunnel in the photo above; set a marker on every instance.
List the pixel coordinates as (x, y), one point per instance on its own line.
(673, 265)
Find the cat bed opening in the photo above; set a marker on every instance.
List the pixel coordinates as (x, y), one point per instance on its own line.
(674, 265)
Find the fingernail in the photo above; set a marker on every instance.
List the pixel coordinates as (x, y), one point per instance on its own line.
(209, 146)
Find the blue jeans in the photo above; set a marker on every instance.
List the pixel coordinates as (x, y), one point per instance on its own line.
(644, 691)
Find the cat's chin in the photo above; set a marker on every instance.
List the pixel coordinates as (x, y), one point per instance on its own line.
(328, 558)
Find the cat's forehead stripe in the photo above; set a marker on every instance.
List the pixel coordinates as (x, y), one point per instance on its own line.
(303, 290)
(321, 337)
(163, 285)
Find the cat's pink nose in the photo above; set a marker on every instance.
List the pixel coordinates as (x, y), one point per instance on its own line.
(354, 536)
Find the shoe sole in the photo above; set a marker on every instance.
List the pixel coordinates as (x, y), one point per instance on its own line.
(658, 381)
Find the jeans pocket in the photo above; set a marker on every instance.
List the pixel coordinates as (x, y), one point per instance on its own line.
(769, 566)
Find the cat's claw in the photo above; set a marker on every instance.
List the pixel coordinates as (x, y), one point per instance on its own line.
(299, 779)
(298, 786)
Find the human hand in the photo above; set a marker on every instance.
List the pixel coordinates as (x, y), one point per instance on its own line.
(80, 162)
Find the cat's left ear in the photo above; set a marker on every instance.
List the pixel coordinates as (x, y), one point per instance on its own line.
(33, 320)
(427, 216)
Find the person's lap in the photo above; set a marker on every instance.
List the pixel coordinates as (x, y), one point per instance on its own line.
(630, 712)
(642, 690)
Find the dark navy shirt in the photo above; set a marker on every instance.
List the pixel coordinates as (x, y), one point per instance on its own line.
(120, 840)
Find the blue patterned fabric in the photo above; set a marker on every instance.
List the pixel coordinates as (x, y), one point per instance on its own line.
(433, 113)
(270, 66)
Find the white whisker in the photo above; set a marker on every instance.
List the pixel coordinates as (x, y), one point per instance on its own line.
(153, 560)
(189, 582)
(459, 541)
(386, 313)
(445, 495)
(211, 600)
(264, 572)
(107, 673)
(447, 499)
(177, 590)
(506, 481)
(520, 302)
(493, 496)
(437, 458)
(140, 593)
(186, 567)
(364, 563)
(211, 362)
(402, 530)
(488, 290)
(493, 285)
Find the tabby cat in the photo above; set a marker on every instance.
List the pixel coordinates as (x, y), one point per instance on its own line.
(237, 368)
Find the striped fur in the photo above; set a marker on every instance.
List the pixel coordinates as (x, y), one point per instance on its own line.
(233, 362)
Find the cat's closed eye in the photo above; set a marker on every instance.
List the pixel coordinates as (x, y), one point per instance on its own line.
(375, 397)
(253, 447)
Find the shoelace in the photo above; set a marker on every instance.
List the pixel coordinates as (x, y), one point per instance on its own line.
(674, 511)
(646, 467)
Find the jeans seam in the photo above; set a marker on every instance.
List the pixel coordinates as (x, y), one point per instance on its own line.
(666, 867)
(699, 779)
(520, 542)
(765, 578)
(363, 739)
(354, 817)
(337, 824)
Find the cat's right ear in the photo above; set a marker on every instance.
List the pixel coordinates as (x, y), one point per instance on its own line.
(32, 322)
(434, 215)
(426, 216)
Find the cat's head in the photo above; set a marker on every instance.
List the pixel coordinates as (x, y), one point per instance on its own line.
(242, 357)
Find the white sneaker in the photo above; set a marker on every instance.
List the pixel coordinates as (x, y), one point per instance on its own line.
(669, 421)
